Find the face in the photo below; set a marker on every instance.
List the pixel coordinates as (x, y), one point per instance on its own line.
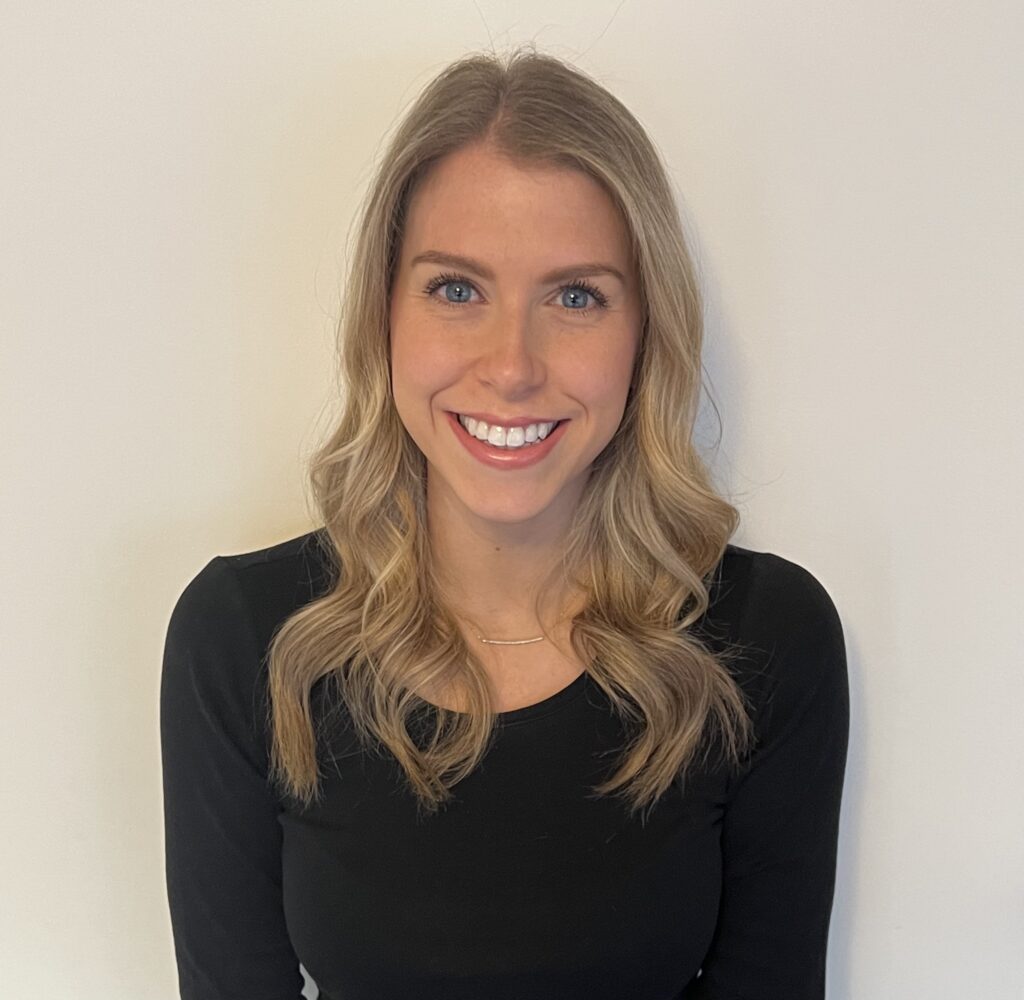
(537, 323)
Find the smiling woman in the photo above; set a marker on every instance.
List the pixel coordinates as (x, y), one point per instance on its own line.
(576, 743)
(525, 333)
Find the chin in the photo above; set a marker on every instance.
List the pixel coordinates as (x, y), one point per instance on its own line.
(507, 513)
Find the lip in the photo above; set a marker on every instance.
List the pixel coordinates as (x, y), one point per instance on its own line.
(490, 419)
(506, 458)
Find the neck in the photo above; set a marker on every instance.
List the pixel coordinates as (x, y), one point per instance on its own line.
(491, 573)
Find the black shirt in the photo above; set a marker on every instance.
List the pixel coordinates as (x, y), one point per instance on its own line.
(524, 887)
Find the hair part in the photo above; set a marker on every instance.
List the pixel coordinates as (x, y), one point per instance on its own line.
(647, 532)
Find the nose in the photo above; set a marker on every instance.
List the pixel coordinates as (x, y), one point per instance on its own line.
(511, 361)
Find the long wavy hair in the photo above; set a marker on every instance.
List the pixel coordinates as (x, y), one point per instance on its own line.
(648, 530)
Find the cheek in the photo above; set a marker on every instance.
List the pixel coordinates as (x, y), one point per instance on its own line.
(420, 364)
(404, 364)
(606, 375)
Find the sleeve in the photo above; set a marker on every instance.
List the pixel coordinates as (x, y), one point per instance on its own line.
(222, 837)
(781, 822)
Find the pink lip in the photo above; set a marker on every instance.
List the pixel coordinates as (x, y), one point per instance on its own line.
(490, 419)
(507, 458)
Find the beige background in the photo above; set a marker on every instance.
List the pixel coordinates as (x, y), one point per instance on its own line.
(178, 182)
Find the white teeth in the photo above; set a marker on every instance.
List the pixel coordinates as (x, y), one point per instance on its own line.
(506, 437)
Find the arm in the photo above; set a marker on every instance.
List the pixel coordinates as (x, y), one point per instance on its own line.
(781, 824)
(222, 838)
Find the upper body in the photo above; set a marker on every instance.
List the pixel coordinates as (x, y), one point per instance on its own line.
(523, 886)
(521, 347)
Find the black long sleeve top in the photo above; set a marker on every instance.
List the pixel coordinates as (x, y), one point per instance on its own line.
(524, 886)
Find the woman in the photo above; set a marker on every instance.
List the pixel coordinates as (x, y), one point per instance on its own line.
(517, 721)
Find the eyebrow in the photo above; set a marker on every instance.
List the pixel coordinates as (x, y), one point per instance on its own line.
(483, 271)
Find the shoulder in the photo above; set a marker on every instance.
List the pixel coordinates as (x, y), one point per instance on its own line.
(224, 618)
(770, 597)
(787, 631)
(261, 587)
(299, 566)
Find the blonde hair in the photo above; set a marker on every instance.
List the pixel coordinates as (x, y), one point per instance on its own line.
(648, 530)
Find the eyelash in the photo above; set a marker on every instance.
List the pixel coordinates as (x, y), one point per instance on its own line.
(448, 278)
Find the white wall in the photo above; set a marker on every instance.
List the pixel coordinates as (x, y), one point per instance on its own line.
(178, 182)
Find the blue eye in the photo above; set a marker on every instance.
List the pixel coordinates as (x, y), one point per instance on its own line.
(458, 291)
(577, 291)
(460, 287)
(452, 283)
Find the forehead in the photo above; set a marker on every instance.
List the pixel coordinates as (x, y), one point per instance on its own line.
(480, 202)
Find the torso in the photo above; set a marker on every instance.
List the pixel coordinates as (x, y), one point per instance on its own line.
(533, 885)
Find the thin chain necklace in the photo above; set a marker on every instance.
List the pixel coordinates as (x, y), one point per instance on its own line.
(515, 642)
(508, 642)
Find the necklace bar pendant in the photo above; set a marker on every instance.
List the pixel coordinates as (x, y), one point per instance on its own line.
(509, 642)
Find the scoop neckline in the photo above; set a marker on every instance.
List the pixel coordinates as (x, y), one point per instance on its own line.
(526, 713)
(546, 705)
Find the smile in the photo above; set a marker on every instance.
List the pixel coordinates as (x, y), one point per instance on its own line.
(543, 438)
(507, 437)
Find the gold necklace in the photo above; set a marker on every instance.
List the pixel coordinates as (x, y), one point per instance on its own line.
(508, 642)
(516, 642)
